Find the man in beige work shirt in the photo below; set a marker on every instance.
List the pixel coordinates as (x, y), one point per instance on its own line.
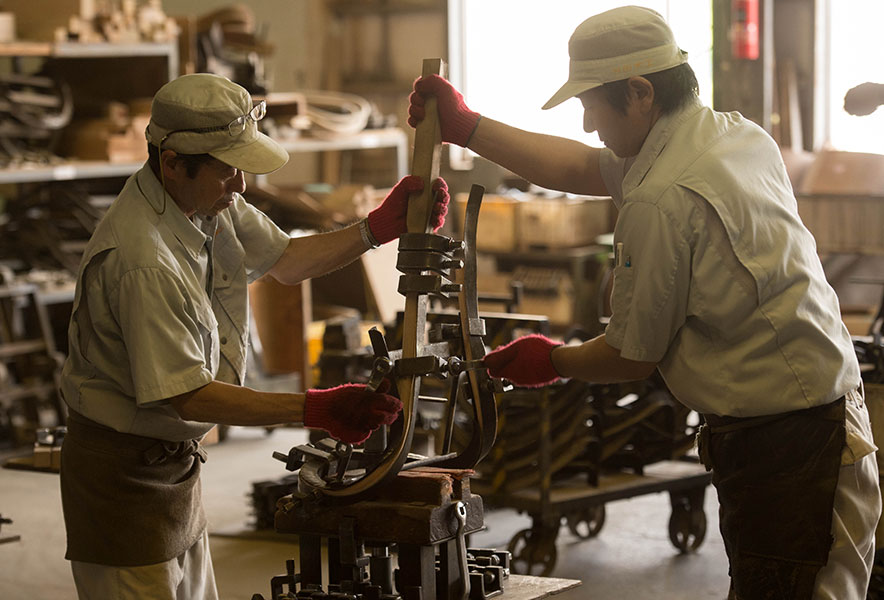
(158, 341)
(717, 285)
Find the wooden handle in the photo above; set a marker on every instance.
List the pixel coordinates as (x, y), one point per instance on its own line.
(427, 153)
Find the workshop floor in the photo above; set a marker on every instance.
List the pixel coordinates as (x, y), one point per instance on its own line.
(631, 557)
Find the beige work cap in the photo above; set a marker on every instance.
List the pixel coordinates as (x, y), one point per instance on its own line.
(204, 113)
(615, 45)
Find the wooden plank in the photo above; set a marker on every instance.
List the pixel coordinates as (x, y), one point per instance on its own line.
(19, 392)
(25, 49)
(282, 314)
(528, 587)
(21, 347)
(427, 153)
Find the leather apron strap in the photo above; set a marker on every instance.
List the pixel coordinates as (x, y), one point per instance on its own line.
(128, 500)
(776, 478)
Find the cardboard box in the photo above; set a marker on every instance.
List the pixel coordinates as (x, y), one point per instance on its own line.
(848, 173)
(112, 138)
(547, 291)
(550, 223)
(849, 224)
(36, 21)
(858, 320)
(841, 201)
(498, 222)
(47, 457)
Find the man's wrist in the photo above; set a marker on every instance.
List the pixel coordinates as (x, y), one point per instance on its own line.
(367, 237)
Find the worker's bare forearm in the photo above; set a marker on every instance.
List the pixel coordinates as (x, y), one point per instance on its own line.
(227, 404)
(598, 362)
(318, 254)
(548, 161)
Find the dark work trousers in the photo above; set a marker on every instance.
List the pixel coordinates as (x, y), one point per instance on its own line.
(776, 477)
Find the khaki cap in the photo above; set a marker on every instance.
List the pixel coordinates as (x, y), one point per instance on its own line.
(618, 44)
(206, 101)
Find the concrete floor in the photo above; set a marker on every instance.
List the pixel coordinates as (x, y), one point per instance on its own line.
(631, 557)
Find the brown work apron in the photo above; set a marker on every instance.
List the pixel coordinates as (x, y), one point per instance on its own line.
(128, 500)
(776, 477)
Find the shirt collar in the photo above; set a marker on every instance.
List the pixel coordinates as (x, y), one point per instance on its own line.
(181, 227)
(657, 138)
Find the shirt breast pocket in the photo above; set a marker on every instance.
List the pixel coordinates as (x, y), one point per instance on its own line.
(208, 329)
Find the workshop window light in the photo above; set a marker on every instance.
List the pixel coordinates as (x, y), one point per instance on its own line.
(854, 58)
(509, 56)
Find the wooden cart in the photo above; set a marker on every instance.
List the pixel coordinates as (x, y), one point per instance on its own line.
(582, 507)
(562, 454)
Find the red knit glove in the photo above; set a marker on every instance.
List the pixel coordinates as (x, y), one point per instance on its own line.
(349, 412)
(387, 222)
(526, 361)
(456, 120)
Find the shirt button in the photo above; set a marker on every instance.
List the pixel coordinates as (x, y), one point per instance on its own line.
(223, 340)
(224, 276)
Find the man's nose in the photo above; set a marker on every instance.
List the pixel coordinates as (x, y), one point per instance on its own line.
(588, 123)
(238, 182)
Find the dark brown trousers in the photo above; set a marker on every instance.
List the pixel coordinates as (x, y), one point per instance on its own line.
(776, 478)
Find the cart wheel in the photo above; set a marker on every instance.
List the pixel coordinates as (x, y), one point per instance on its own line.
(687, 524)
(532, 554)
(587, 523)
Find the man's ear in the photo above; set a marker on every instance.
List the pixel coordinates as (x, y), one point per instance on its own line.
(642, 91)
(169, 164)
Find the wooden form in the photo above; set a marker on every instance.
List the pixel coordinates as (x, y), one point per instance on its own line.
(425, 164)
(415, 507)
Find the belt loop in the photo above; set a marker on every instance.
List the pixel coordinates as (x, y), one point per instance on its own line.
(703, 439)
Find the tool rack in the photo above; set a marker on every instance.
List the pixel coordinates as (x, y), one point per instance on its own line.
(551, 493)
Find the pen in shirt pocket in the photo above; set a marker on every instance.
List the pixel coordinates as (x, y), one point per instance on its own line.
(620, 259)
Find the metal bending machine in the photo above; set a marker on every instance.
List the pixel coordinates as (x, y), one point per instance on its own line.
(395, 523)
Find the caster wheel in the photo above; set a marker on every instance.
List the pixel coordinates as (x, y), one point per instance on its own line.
(532, 553)
(687, 525)
(588, 522)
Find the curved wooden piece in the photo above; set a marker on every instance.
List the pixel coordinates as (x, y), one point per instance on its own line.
(484, 405)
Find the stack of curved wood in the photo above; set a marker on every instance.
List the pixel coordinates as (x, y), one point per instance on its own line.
(592, 429)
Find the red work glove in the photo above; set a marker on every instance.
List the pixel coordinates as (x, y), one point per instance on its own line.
(387, 222)
(349, 412)
(456, 120)
(526, 361)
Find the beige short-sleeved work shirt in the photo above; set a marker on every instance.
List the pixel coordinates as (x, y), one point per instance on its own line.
(161, 308)
(719, 281)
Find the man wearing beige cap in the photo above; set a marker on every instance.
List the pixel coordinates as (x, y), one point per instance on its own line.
(717, 285)
(158, 340)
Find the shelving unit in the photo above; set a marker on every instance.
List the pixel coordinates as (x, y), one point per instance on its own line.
(66, 171)
(94, 50)
(83, 67)
(391, 137)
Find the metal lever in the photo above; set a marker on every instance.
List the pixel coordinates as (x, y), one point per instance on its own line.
(460, 512)
(382, 364)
